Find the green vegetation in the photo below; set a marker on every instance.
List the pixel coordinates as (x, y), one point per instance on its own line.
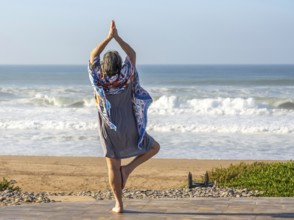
(5, 184)
(273, 179)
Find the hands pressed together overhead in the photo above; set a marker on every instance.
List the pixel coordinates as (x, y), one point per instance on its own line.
(112, 34)
(112, 31)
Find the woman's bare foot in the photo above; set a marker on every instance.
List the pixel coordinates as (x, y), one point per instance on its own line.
(118, 209)
(124, 176)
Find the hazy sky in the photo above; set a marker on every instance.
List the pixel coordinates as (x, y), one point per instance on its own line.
(161, 31)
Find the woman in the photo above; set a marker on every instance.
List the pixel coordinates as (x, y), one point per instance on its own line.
(122, 112)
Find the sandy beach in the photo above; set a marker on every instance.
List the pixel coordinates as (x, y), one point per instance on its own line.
(66, 174)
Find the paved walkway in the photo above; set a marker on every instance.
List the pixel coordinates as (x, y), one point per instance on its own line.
(199, 208)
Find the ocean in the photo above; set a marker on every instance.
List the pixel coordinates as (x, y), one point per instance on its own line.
(199, 111)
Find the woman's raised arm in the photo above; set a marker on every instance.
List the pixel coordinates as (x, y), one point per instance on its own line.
(100, 47)
(126, 47)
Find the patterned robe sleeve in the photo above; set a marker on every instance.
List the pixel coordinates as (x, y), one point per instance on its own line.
(102, 103)
(141, 101)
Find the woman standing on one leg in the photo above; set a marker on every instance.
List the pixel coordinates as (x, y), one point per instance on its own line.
(122, 112)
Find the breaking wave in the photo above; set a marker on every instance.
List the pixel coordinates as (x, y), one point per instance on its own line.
(218, 106)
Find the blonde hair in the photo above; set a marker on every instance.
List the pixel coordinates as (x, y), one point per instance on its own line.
(111, 64)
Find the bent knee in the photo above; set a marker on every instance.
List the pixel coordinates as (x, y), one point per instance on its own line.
(156, 147)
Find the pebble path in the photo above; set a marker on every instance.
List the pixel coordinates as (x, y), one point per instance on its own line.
(10, 197)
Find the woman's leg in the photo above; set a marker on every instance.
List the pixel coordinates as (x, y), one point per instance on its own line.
(115, 181)
(127, 169)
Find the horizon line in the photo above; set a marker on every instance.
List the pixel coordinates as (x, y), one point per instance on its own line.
(147, 64)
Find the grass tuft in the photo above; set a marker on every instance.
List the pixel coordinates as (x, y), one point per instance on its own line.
(274, 179)
(5, 184)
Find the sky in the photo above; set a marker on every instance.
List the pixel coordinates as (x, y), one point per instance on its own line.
(160, 31)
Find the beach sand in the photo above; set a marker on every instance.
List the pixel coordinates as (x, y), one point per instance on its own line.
(76, 174)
